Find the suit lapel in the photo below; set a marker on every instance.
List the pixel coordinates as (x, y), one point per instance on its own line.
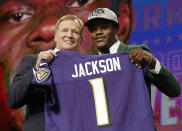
(122, 48)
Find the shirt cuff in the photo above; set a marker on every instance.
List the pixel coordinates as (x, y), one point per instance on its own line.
(34, 71)
(157, 67)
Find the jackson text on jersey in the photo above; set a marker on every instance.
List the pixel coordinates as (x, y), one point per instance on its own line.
(96, 67)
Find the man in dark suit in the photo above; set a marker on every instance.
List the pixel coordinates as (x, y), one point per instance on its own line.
(103, 26)
(68, 36)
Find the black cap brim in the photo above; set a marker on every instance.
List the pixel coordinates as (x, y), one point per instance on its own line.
(92, 20)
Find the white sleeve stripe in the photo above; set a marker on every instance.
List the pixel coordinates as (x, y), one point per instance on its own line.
(41, 64)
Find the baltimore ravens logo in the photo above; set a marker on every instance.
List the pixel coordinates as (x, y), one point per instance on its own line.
(42, 74)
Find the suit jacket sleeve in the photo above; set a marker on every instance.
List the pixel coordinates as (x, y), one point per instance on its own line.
(165, 81)
(18, 93)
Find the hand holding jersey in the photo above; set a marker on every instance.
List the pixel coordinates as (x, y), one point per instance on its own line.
(45, 55)
(140, 57)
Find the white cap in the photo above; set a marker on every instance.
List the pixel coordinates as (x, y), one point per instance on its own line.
(102, 13)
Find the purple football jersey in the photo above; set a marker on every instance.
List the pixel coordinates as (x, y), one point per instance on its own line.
(95, 93)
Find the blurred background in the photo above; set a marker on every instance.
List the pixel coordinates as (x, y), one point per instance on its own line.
(27, 26)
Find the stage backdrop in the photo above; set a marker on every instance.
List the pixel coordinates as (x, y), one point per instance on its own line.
(27, 26)
(158, 24)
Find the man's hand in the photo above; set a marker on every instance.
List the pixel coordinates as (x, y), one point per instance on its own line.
(140, 57)
(45, 55)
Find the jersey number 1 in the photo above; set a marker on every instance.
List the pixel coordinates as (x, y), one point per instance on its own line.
(100, 98)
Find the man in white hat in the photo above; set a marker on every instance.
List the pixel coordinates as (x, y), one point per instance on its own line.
(103, 26)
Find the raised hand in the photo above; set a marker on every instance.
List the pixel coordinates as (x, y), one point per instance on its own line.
(45, 55)
(141, 57)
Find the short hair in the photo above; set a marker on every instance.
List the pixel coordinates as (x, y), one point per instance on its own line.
(71, 17)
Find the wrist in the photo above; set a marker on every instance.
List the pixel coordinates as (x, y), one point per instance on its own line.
(152, 64)
(35, 68)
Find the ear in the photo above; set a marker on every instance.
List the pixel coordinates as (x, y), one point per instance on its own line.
(125, 21)
(55, 37)
(81, 39)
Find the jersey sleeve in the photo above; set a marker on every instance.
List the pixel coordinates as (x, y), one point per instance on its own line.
(42, 75)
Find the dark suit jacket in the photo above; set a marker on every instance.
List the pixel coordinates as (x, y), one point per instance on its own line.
(23, 92)
(165, 81)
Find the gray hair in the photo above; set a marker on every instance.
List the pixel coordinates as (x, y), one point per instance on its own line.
(71, 17)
